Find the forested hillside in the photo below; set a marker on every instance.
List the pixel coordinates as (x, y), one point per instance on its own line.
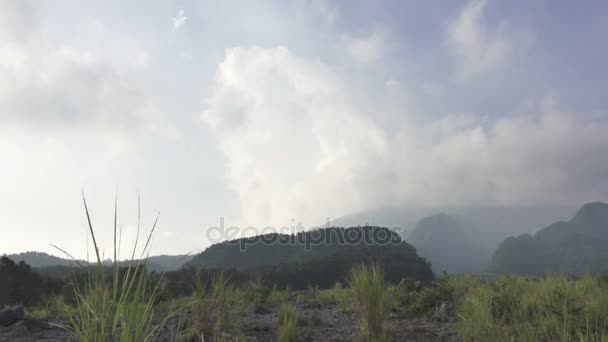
(573, 247)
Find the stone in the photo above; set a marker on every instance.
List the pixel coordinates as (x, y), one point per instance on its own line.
(11, 315)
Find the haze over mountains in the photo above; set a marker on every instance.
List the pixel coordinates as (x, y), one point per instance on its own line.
(575, 246)
(43, 260)
(448, 245)
(466, 240)
(487, 225)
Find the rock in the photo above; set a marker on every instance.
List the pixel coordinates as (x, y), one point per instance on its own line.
(11, 315)
(442, 312)
(261, 310)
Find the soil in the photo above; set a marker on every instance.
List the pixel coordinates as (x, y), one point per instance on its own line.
(320, 322)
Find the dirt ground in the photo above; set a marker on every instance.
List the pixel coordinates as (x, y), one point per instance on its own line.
(320, 322)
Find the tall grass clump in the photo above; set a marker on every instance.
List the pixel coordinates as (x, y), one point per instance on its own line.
(215, 308)
(114, 305)
(370, 300)
(255, 292)
(288, 318)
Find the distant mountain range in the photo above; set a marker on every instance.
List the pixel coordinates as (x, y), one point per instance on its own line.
(449, 247)
(576, 246)
(459, 241)
(44, 260)
(487, 226)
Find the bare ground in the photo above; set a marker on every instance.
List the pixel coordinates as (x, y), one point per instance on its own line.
(320, 322)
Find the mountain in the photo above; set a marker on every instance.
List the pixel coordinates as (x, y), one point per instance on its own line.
(487, 225)
(163, 262)
(39, 259)
(43, 260)
(447, 245)
(576, 246)
(319, 256)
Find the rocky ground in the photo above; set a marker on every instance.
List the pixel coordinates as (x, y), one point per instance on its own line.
(328, 323)
(31, 329)
(319, 322)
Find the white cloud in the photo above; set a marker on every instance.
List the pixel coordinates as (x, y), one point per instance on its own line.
(179, 20)
(329, 11)
(297, 145)
(480, 48)
(51, 85)
(366, 50)
(141, 59)
(280, 148)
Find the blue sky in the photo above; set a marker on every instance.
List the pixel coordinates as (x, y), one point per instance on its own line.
(265, 111)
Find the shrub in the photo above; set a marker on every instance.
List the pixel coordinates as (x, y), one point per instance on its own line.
(53, 306)
(255, 292)
(412, 299)
(215, 307)
(288, 318)
(370, 300)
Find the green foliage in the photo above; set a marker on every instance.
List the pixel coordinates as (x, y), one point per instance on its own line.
(337, 295)
(319, 257)
(551, 309)
(53, 306)
(20, 285)
(278, 296)
(215, 308)
(412, 298)
(119, 308)
(288, 318)
(255, 292)
(370, 300)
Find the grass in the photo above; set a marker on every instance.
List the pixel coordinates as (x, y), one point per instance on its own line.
(370, 301)
(255, 292)
(53, 306)
(119, 306)
(288, 329)
(408, 299)
(337, 295)
(215, 308)
(553, 308)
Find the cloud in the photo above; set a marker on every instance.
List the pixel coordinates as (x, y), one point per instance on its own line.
(298, 145)
(279, 148)
(47, 85)
(330, 12)
(179, 20)
(366, 50)
(480, 48)
(141, 59)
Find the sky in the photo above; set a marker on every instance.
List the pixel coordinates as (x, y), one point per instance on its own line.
(276, 112)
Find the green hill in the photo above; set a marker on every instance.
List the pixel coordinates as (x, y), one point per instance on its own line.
(574, 247)
(320, 257)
